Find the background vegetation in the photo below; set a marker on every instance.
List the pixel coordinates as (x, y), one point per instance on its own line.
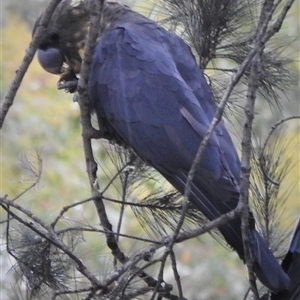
(44, 120)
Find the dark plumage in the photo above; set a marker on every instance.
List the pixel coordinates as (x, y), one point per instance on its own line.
(291, 265)
(149, 94)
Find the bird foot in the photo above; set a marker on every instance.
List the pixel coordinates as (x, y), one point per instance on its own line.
(68, 81)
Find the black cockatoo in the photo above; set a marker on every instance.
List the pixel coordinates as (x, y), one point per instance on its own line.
(149, 94)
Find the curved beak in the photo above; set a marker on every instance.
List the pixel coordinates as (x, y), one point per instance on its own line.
(51, 60)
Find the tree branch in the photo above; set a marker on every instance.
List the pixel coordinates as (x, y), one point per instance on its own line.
(50, 235)
(262, 36)
(29, 54)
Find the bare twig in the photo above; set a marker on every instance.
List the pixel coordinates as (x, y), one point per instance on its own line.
(262, 36)
(53, 238)
(84, 102)
(121, 211)
(70, 292)
(136, 272)
(66, 208)
(181, 237)
(88, 132)
(233, 82)
(85, 113)
(37, 174)
(50, 235)
(112, 180)
(160, 275)
(273, 128)
(92, 229)
(253, 84)
(176, 274)
(261, 156)
(29, 54)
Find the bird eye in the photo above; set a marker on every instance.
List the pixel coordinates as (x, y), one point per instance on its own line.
(54, 36)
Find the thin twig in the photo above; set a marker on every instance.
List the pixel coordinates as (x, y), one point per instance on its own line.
(121, 213)
(85, 117)
(50, 235)
(253, 84)
(176, 274)
(136, 204)
(262, 36)
(273, 128)
(235, 78)
(37, 180)
(103, 231)
(66, 208)
(129, 264)
(84, 102)
(69, 292)
(136, 272)
(160, 275)
(29, 54)
(122, 169)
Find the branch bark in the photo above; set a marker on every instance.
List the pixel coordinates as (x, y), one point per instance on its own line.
(262, 36)
(29, 54)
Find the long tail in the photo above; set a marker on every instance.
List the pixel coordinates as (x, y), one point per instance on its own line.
(266, 267)
(291, 265)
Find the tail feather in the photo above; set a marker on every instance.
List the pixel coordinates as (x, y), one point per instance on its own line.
(266, 267)
(291, 265)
